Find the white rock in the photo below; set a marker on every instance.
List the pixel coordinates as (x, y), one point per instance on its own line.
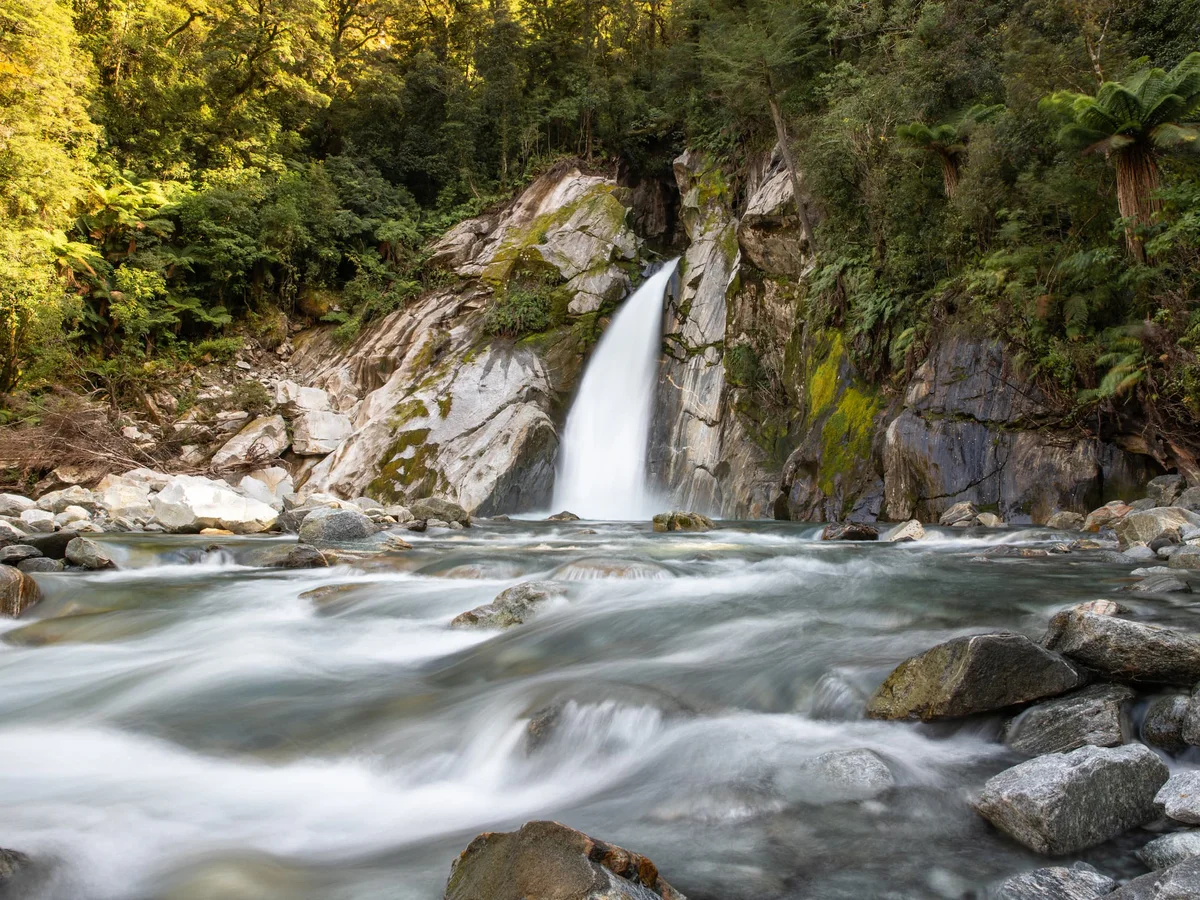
(38, 519)
(57, 501)
(263, 439)
(912, 530)
(316, 433)
(295, 400)
(11, 532)
(121, 496)
(270, 485)
(190, 503)
(71, 515)
(14, 504)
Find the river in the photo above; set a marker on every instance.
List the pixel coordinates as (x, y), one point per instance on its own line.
(193, 726)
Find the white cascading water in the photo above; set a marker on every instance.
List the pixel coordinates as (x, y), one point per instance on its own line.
(602, 458)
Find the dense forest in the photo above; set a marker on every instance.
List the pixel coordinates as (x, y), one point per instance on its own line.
(174, 171)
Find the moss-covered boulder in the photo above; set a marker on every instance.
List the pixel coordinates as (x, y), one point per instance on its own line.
(682, 521)
(975, 674)
(549, 861)
(513, 606)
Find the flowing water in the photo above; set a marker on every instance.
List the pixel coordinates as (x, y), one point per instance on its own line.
(193, 726)
(602, 461)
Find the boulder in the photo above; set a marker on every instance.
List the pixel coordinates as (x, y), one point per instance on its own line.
(1180, 882)
(989, 520)
(10, 533)
(849, 531)
(15, 554)
(317, 433)
(438, 509)
(1066, 521)
(271, 485)
(57, 501)
(1164, 723)
(912, 530)
(1189, 499)
(1066, 802)
(564, 516)
(960, 514)
(40, 564)
(1186, 557)
(52, 545)
(965, 675)
(152, 480)
(190, 503)
(71, 515)
(1126, 650)
(302, 556)
(1180, 797)
(120, 496)
(844, 775)
(682, 521)
(261, 440)
(1106, 516)
(549, 861)
(14, 504)
(1160, 583)
(1165, 488)
(336, 526)
(1170, 849)
(88, 554)
(1095, 715)
(511, 607)
(1079, 882)
(1148, 525)
(38, 520)
(18, 592)
(294, 400)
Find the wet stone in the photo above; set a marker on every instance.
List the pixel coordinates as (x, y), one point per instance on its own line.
(1124, 649)
(1170, 849)
(844, 775)
(1163, 727)
(850, 531)
(40, 564)
(682, 521)
(1180, 798)
(1160, 584)
(15, 554)
(1079, 882)
(1094, 715)
(1180, 882)
(513, 606)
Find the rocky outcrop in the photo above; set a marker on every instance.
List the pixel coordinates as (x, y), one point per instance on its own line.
(549, 861)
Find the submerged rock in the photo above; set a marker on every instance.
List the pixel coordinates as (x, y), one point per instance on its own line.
(511, 607)
(1079, 882)
(845, 775)
(1130, 651)
(18, 592)
(1065, 802)
(979, 673)
(435, 509)
(1180, 882)
(15, 869)
(593, 567)
(850, 531)
(549, 861)
(682, 521)
(912, 530)
(1095, 715)
(336, 526)
(88, 555)
(1160, 583)
(1170, 849)
(302, 556)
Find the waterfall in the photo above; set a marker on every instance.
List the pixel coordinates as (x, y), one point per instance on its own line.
(602, 458)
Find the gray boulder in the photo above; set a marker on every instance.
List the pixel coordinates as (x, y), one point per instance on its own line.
(40, 564)
(980, 673)
(443, 510)
(1130, 651)
(1170, 849)
(513, 606)
(1145, 526)
(1189, 499)
(1095, 715)
(14, 504)
(912, 530)
(1066, 521)
(88, 554)
(1186, 557)
(1165, 488)
(302, 556)
(1160, 583)
(565, 516)
(960, 515)
(1164, 723)
(15, 554)
(843, 775)
(549, 861)
(1180, 797)
(18, 592)
(336, 526)
(1180, 882)
(1065, 802)
(1079, 882)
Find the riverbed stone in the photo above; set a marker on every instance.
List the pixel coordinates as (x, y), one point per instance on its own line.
(1079, 882)
(261, 440)
(912, 530)
(1106, 516)
(87, 554)
(513, 606)
(1095, 715)
(10, 533)
(14, 504)
(1185, 557)
(15, 554)
(549, 861)
(1164, 723)
(38, 520)
(565, 516)
(960, 515)
(52, 544)
(1066, 802)
(190, 503)
(18, 592)
(845, 775)
(336, 526)
(1189, 499)
(1066, 521)
(1180, 797)
(437, 509)
(40, 564)
(1160, 583)
(682, 521)
(1144, 526)
(56, 501)
(978, 673)
(850, 531)
(1124, 649)
(302, 556)
(1170, 849)
(1180, 882)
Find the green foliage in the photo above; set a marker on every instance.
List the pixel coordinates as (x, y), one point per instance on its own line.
(522, 308)
(743, 368)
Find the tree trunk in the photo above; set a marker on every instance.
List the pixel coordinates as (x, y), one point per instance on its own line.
(949, 174)
(1137, 182)
(806, 228)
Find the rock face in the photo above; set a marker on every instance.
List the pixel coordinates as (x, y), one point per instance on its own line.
(1130, 651)
(1095, 715)
(972, 674)
(260, 441)
(1079, 882)
(1180, 882)
(1065, 802)
(190, 503)
(548, 861)
(318, 432)
(513, 606)
(682, 521)
(18, 592)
